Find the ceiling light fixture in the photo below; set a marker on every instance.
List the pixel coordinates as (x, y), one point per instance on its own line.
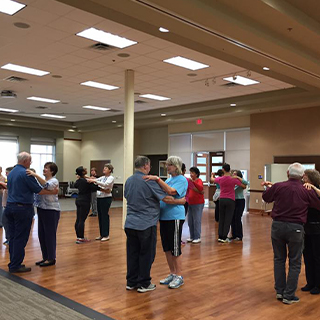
(10, 7)
(186, 63)
(96, 108)
(153, 97)
(99, 85)
(72, 130)
(106, 37)
(233, 104)
(22, 69)
(13, 120)
(8, 110)
(266, 68)
(48, 115)
(43, 99)
(249, 74)
(163, 114)
(161, 29)
(114, 121)
(241, 80)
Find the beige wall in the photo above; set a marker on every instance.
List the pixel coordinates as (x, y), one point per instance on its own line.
(72, 158)
(292, 132)
(210, 124)
(152, 141)
(104, 145)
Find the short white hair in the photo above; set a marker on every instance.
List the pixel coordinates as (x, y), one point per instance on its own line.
(296, 170)
(23, 156)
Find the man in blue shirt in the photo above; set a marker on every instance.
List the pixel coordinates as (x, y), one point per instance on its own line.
(19, 210)
(143, 211)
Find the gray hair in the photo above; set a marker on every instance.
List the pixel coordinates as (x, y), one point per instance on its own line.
(175, 161)
(296, 170)
(141, 161)
(23, 156)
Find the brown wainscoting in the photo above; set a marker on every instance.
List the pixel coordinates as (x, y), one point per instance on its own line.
(302, 159)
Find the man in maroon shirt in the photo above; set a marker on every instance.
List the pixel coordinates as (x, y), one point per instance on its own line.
(291, 201)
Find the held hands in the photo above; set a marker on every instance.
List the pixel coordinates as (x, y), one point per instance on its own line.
(308, 186)
(266, 184)
(91, 180)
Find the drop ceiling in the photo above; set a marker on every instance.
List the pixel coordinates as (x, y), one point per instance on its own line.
(232, 39)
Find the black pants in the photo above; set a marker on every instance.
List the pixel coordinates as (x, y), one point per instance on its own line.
(216, 211)
(47, 232)
(83, 209)
(141, 251)
(103, 205)
(311, 255)
(225, 216)
(236, 224)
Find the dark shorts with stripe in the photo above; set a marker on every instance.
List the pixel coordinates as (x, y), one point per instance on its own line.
(171, 231)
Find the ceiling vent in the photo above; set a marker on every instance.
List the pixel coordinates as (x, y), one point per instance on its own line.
(230, 85)
(42, 107)
(15, 79)
(140, 101)
(7, 94)
(101, 47)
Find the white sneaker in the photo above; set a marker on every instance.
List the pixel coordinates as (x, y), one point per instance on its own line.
(151, 287)
(189, 240)
(168, 279)
(196, 240)
(105, 239)
(176, 283)
(98, 238)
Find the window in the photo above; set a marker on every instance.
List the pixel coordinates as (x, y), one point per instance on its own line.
(42, 151)
(9, 151)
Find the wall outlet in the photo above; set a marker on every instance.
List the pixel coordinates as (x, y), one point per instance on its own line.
(257, 200)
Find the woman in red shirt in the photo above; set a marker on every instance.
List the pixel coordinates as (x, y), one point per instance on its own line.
(196, 203)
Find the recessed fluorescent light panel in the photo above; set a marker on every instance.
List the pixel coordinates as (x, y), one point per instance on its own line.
(106, 38)
(15, 67)
(99, 85)
(186, 63)
(266, 68)
(96, 108)
(43, 99)
(241, 80)
(161, 29)
(8, 110)
(10, 7)
(154, 97)
(52, 116)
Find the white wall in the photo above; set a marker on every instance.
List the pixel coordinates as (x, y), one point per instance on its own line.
(72, 158)
(152, 141)
(104, 145)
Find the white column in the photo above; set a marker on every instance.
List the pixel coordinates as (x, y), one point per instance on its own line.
(128, 133)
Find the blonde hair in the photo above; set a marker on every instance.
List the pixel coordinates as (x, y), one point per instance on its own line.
(176, 162)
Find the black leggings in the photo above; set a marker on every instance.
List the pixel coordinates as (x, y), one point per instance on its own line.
(83, 209)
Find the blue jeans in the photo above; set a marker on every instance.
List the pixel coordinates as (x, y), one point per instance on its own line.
(287, 241)
(19, 219)
(194, 220)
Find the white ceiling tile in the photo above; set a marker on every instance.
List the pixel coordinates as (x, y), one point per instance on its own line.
(39, 16)
(87, 53)
(141, 49)
(83, 17)
(55, 7)
(67, 25)
(111, 26)
(143, 60)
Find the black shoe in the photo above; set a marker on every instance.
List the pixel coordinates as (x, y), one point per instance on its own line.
(307, 287)
(47, 263)
(92, 215)
(39, 262)
(20, 270)
(315, 290)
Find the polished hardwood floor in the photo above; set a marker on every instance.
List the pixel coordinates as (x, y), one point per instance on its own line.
(222, 281)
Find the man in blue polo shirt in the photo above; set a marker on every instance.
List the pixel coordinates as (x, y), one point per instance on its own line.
(143, 211)
(19, 210)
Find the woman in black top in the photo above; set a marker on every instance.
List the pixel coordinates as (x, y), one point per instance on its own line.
(311, 252)
(83, 203)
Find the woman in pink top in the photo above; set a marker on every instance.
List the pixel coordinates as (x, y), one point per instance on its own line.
(227, 201)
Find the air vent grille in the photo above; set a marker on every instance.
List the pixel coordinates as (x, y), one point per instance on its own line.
(140, 101)
(41, 107)
(230, 85)
(15, 79)
(101, 47)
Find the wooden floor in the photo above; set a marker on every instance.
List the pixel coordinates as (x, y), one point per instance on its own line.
(222, 281)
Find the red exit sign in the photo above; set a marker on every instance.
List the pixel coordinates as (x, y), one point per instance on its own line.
(199, 121)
